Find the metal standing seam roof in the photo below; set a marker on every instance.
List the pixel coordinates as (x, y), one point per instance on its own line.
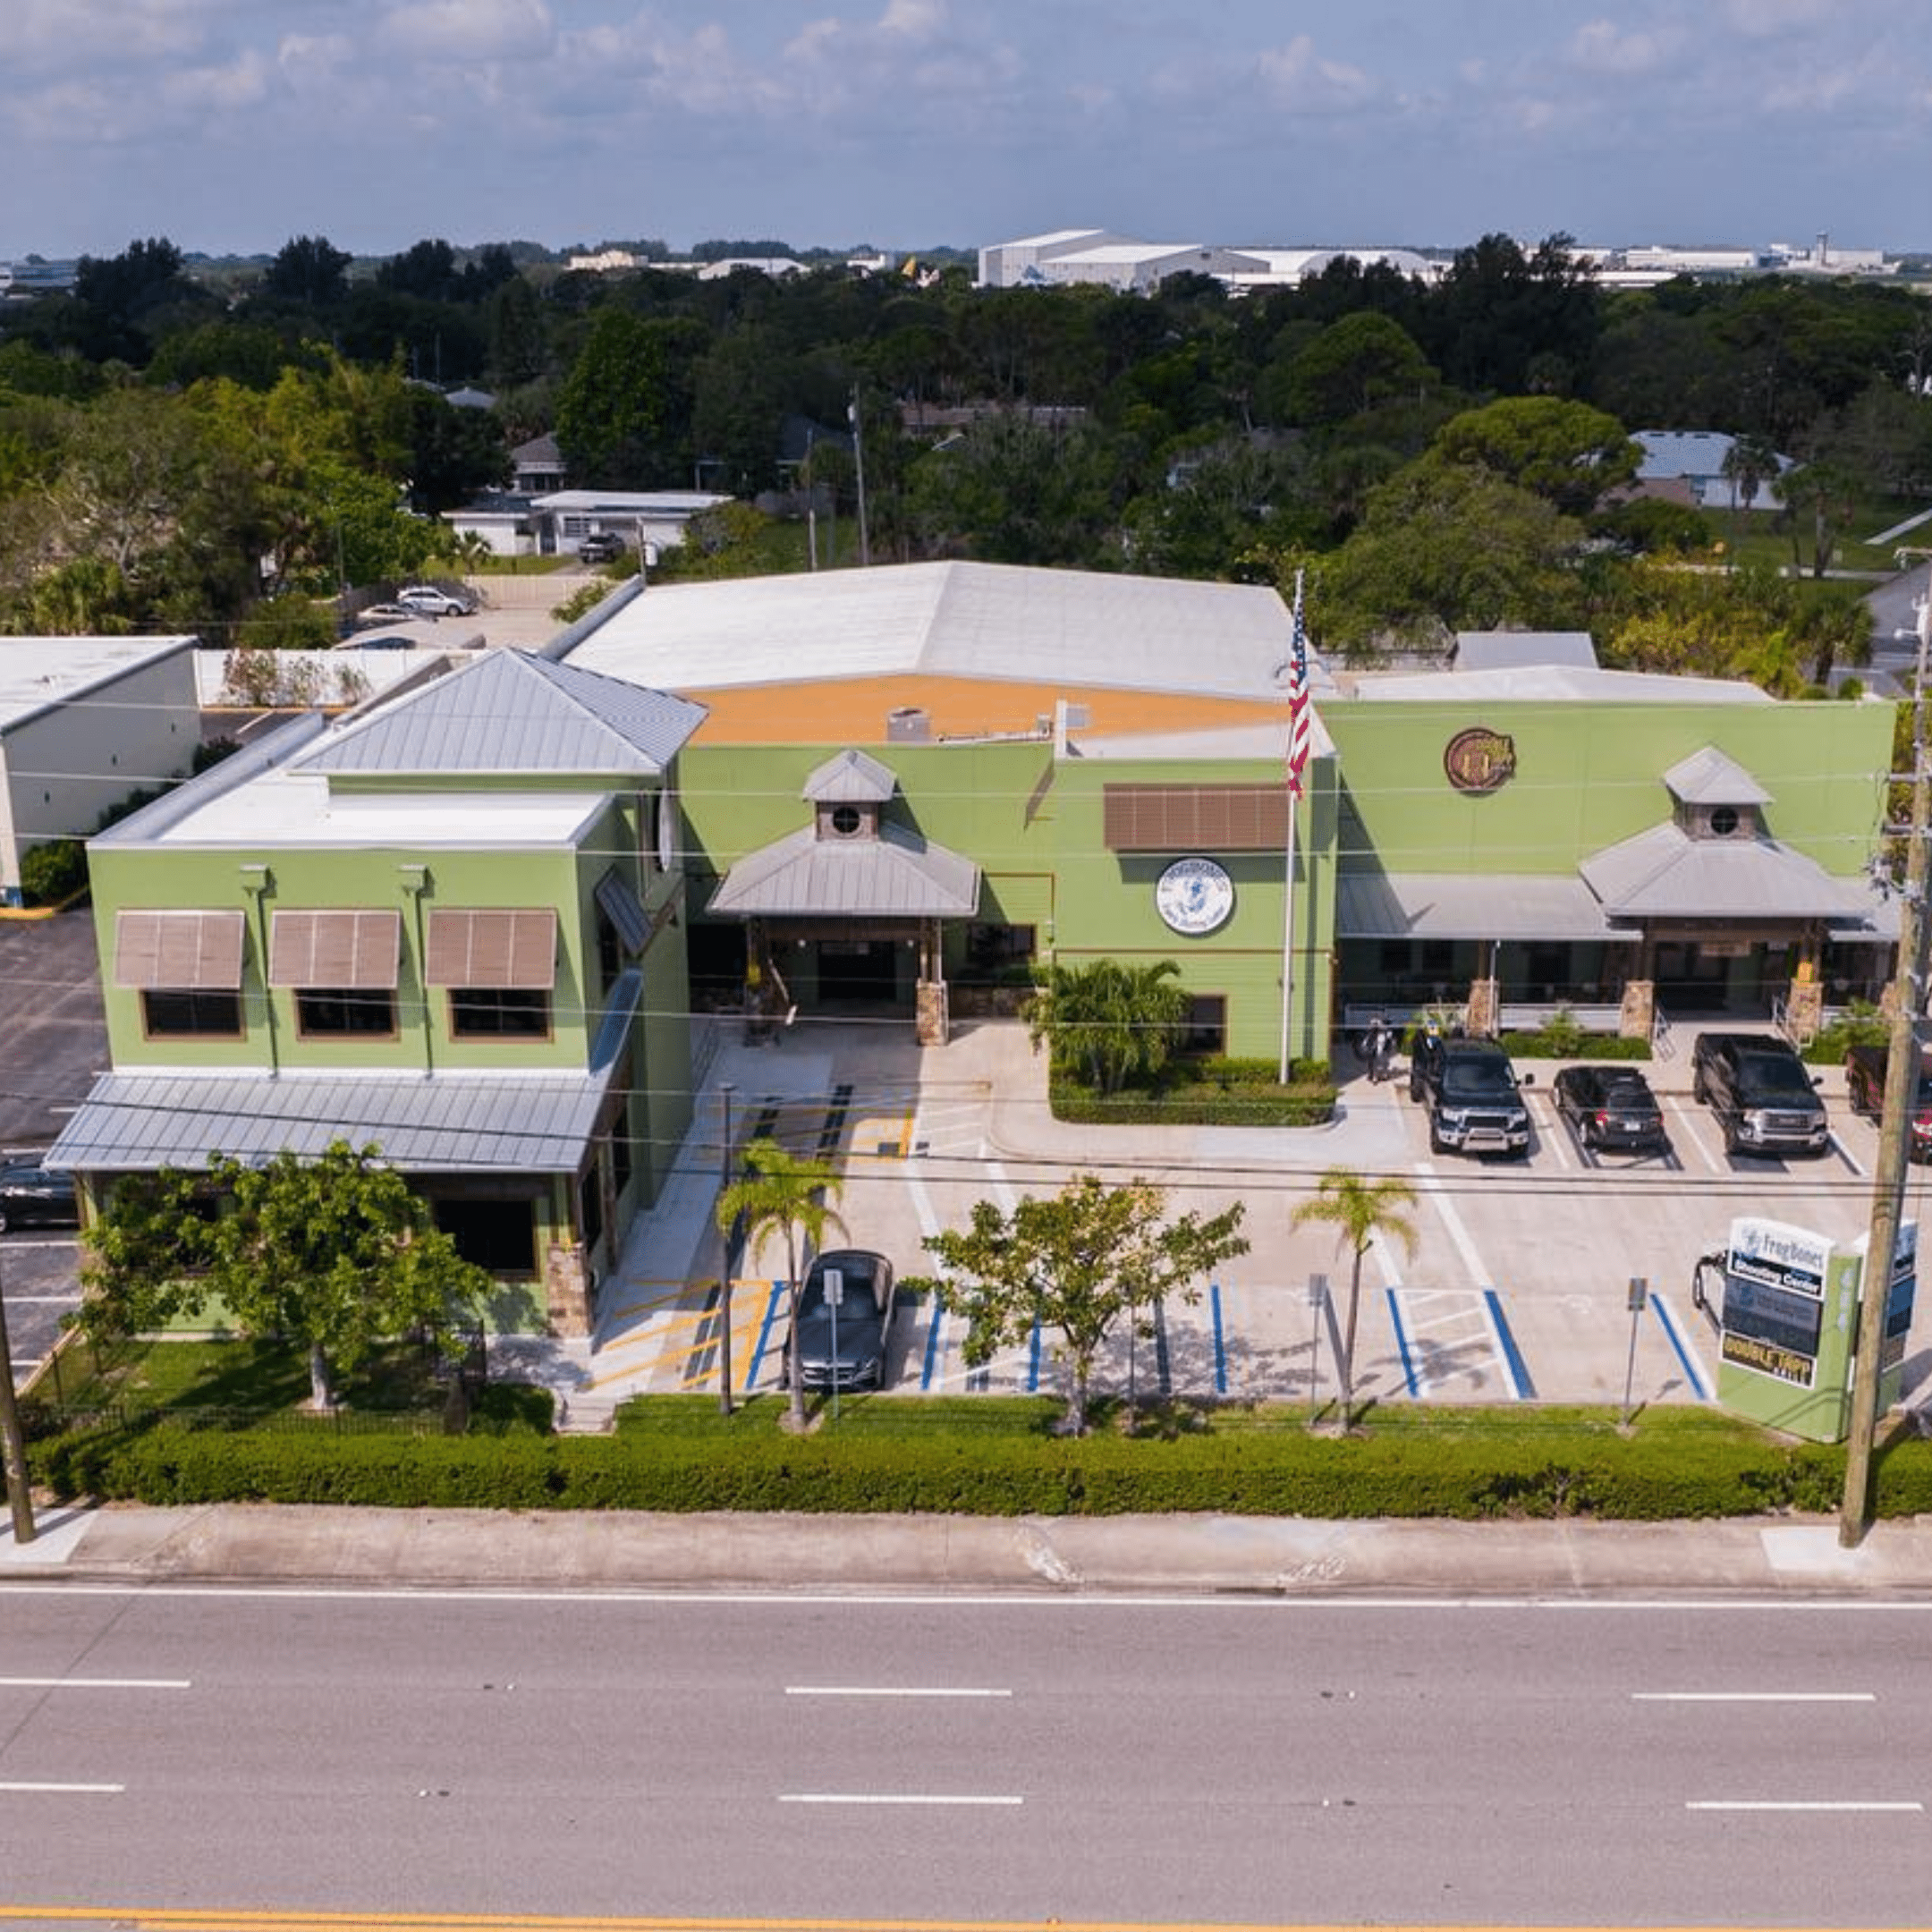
(852, 778)
(1663, 873)
(895, 876)
(1710, 777)
(993, 622)
(509, 712)
(1471, 905)
(442, 1123)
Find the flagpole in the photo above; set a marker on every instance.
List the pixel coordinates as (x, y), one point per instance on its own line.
(1297, 755)
(1287, 944)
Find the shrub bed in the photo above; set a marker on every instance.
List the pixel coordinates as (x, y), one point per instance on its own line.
(1479, 1465)
(1206, 1093)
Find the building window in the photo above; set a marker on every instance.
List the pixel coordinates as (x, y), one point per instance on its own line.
(321, 1011)
(499, 1013)
(1205, 1029)
(846, 820)
(172, 1013)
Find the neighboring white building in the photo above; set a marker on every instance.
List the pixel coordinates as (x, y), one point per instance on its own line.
(557, 522)
(83, 722)
(1013, 264)
(1289, 267)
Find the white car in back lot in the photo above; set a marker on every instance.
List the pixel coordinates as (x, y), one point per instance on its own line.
(428, 600)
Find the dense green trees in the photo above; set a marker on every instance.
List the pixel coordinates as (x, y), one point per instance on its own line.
(1450, 452)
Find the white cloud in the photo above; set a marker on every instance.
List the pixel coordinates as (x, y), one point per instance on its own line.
(1763, 19)
(1600, 47)
(1300, 78)
(469, 33)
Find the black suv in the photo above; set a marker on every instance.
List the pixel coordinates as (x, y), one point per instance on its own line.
(1762, 1093)
(601, 546)
(1474, 1097)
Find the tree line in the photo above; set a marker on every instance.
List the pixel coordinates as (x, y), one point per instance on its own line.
(1438, 455)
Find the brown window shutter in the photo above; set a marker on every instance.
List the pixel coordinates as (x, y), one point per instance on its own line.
(488, 947)
(183, 952)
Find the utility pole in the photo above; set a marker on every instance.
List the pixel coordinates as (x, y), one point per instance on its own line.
(13, 1440)
(1894, 1127)
(858, 450)
(726, 1091)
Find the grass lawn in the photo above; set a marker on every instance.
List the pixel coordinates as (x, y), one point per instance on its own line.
(243, 1376)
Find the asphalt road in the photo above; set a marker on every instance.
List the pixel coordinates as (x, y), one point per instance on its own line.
(920, 1758)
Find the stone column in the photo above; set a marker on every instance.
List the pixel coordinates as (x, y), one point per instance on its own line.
(566, 1289)
(1484, 1009)
(933, 1017)
(1639, 1013)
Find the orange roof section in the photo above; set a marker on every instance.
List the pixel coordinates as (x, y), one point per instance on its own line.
(854, 710)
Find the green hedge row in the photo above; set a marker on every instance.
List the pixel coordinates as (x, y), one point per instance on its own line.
(1306, 1103)
(1670, 1472)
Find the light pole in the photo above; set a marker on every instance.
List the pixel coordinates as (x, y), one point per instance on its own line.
(726, 1091)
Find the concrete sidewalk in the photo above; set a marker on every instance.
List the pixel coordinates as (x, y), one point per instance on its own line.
(245, 1543)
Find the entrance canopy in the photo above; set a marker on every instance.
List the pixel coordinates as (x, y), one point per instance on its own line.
(894, 874)
(1469, 905)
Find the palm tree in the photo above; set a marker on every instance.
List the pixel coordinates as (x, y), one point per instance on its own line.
(786, 1194)
(1110, 1025)
(1360, 1210)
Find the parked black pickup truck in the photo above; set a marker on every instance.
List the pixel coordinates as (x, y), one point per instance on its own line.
(1762, 1094)
(1474, 1099)
(1865, 1078)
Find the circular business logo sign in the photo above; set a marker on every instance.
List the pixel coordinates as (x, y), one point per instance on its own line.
(1194, 896)
(1480, 759)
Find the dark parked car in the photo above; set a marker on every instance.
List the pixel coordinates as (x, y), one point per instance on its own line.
(601, 546)
(1611, 1106)
(1865, 1080)
(31, 1197)
(1472, 1092)
(1764, 1095)
(863, 1317)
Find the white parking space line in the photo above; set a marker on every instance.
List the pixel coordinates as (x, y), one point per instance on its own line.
(1687, 1121)
(1846, 1155)
(1431, 1185)
(1554, 1135)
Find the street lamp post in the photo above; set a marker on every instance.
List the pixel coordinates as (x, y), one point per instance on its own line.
(725, 1091)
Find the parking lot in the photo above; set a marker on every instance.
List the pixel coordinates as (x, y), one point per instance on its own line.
(1516, 1291)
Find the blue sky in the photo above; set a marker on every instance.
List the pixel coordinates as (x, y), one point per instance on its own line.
(229, 125)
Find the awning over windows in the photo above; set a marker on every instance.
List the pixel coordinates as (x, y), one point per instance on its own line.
(620, 906)
(491, 948)
(355, 951)
(183, 952)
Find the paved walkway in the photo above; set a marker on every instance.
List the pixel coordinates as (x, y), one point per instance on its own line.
(484, 1549)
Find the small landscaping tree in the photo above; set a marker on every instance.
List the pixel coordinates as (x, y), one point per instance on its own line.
(1096, 1252)
(784, 1194)
(336, 1253)
(1110, 1025)
(1359, 1209)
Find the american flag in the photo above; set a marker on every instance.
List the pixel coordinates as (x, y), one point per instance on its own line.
(1301, 722)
